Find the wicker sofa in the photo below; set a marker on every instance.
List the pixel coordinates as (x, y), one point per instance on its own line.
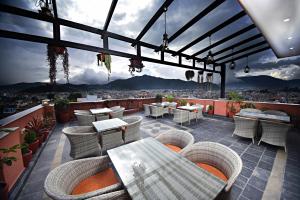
(132, 131)
(179, 138)
(216, 155)
(61, 181)
(85, 119)
(83, 140)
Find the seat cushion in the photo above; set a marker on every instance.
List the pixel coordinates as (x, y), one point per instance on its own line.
(101, 180)
(213, 171)
(173, 147)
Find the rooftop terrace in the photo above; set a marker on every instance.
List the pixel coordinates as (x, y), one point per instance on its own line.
(268, 172)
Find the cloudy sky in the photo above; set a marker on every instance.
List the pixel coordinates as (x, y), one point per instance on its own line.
(26, 62)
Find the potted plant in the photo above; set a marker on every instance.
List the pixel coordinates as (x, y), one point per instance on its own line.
(26, 154)
(8, 160)
(210, 110)
(233, 104)
(189, 75)
(62, 110)
(44, 7)
(170, 98)
(158, 98)
(54, 52)
(182, 102)
(247, 105)
(136, 65)
(31, 140)
(37, 126)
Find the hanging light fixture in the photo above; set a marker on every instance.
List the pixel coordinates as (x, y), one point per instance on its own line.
(209, 58)
(247, 68)
(232, 64)
(165, 35)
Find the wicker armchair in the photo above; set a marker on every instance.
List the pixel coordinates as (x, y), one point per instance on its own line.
(179, 138)
(199, 111)
(274, 133)
(147, 110)
(86, 112)
(181, 116)
(83, 140)
(84, 119)
(115, 108)
(250, 110)
(101, 117)
(132, 131)
(111, 139)
(117, 195)
(218, 156)
(62, 180)
(245, 127)
(275, 112)
(156, 111)
(172, 107)
(117, 113)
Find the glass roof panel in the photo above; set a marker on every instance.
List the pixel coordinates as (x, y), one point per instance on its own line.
(91, 13)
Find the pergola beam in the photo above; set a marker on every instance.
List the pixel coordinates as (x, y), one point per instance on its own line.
(155, 17)
(246, 55)
(110, 14)
(238, 44)
(214, 30)
(45, 40)
(242, 50)
(236, 34)
(202, 14)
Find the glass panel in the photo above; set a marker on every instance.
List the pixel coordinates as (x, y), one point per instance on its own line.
(92, 12)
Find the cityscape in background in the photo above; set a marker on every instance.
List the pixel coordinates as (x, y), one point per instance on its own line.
(19, 97)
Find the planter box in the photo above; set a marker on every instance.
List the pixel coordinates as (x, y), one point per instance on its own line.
(34, 146)
(27, 158)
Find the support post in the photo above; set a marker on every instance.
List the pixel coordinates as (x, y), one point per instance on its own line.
(162, 55)
(105, 41)
(179, 60)
(56, 26)
(223, 79)
(138, 50)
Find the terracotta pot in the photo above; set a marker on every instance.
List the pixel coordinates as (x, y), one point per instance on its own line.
(63, 117)
(4, 191)
(41, 140)
(27, 158)
(34, 146)
(210, 112)
(231, 114)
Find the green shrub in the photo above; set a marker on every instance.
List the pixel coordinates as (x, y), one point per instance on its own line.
(182, 102)
(210, 107)
(30, 136)
(170, 98)
(234, 96)
(61, 104)
(247, 105)
(158, 98)
(73, 96)
(25, 148)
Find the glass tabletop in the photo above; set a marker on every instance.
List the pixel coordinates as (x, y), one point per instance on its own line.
(100, 111)
(265, 116)
(108, 124)
(149, 170)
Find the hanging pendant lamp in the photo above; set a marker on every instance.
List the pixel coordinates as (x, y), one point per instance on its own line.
(209, 58)
(165, 43)
(232, 64)
(247, 68)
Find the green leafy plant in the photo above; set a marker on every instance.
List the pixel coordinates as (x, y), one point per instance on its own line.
(234, 96)
(8, 160)
(73, 96)
(247, 105)
(25, 148)
(191, 103)
(158, 98)
(210, 107)
(182, 102)
(62, 104)
(170, 98)
(30, 136)
(35, 125)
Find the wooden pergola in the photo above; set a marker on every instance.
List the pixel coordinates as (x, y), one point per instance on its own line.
(219, 66)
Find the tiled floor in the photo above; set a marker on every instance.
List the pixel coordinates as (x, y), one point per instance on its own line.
(257, 160)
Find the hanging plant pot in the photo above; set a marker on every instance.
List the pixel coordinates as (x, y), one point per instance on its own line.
(45, 11)
(200, 76)
(53, 52)
(100, 58)
(189, 75)
(136, 65)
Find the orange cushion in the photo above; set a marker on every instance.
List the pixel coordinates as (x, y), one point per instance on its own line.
(173, 147)
(101, 180)
(213, 170)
